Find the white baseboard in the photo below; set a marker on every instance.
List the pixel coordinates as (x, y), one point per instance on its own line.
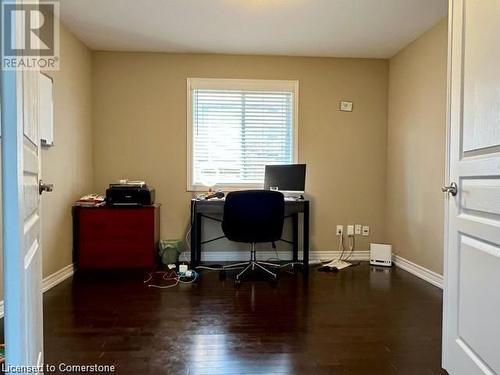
(50, 281)
(419, 271)
(316, 256)
(237, 256)
(57, 277)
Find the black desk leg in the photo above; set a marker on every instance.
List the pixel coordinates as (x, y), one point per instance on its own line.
(306, 238)
(295, 237)
(198, 238)
(193, 233)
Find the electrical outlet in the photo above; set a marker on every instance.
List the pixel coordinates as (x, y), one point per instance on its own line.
(345, 106)
(366, 230)
(340, 230)
(357, 229)
(350, 230)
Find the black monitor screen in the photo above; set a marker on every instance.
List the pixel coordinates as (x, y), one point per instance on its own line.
(289, 177)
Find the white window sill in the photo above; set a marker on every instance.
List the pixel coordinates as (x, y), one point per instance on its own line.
(224, 187)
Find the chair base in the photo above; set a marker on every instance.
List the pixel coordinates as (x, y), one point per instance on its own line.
(252, 265)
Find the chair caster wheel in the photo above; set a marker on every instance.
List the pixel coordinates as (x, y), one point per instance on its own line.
(237, 283)
(222, 275)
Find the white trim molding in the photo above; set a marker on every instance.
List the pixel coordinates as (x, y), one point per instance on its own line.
(241, 256)
(316, 257)
(57, 277)
(423, 273)
(50, 281)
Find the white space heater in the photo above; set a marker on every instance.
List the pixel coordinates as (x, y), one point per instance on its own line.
(380, 254)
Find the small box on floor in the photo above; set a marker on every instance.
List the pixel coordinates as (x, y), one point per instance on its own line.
(380, 254)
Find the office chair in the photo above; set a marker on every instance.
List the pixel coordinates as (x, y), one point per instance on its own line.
(253, 216)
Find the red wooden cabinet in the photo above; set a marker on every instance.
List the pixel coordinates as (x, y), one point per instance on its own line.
(115, 237)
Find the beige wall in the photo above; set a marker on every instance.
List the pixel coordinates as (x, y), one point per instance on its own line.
(416, 149)
(139, 119)
(68, 165)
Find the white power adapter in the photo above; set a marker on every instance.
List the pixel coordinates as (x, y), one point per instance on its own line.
(183, 268)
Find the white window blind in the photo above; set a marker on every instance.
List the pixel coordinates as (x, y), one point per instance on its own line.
(235, 133)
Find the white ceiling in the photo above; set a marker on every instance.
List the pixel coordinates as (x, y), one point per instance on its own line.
(343, 28)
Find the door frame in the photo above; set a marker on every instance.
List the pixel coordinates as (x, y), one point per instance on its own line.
(446, 181)
(13, 261)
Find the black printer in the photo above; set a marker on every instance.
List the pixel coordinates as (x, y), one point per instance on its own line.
(131, 193)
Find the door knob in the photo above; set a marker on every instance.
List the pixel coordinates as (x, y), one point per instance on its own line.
(452, 189)
(43, 187)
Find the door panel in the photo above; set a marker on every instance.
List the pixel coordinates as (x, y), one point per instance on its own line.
(481, 93)
(476, 310)
(33, 269)
(472, 262)
(30, 128)
(481, 197)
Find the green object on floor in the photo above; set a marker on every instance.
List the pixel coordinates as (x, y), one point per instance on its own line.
(170, 250)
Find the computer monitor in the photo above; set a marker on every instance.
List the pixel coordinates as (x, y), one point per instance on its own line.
(289, 178)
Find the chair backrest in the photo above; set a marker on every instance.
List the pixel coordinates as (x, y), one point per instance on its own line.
(254, 216)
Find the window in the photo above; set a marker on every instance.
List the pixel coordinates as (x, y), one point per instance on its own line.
(236, 127)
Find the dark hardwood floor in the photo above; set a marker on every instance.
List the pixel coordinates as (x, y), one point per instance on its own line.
(363, 320)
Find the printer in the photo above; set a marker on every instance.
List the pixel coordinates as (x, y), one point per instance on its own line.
(130, 193)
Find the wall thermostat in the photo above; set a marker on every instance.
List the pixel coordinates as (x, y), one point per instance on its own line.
(345, 106)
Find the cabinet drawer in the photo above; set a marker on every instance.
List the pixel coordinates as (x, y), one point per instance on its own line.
(112, 223)
(97, 254)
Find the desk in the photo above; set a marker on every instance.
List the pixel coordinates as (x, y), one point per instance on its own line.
(207, 209)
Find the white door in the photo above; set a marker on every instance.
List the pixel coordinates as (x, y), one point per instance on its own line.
(471, 326)
(21, 218)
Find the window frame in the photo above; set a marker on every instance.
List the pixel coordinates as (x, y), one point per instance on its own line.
(291, 86)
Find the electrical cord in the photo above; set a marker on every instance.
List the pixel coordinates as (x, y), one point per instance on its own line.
(274, 259)
(351, 246)
(169, 276)
(341, 250)
(214, 268)
(341, 246)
